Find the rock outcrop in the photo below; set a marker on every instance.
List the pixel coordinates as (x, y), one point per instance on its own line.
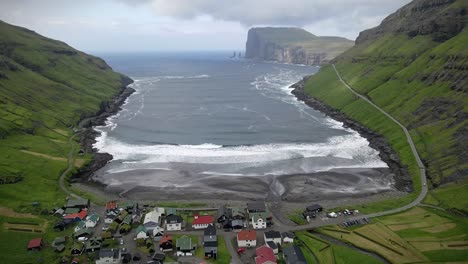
(293, 45)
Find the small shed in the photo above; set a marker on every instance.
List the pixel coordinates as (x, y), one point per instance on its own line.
(35, 244)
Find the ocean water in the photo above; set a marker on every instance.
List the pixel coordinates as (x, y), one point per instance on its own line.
(206, 114)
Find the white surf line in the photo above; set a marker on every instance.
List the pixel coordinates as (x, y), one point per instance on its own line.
(422, 168)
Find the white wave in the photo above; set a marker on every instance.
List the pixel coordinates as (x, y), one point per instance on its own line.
(352, 147)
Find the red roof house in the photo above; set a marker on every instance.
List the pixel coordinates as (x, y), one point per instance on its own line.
(78, 216)
(35, 244)
(202, 222)
(247, 238)
(265, 255)
(111, 206)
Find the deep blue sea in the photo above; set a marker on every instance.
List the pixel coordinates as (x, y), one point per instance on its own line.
(207, 114)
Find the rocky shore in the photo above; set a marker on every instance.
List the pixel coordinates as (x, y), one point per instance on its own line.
(88, 134)
(403, 180)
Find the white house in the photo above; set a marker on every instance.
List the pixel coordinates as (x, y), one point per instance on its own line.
(92, 220)
(109, 219)
(259, 220)
(141, 232)
(158, 232)
(273, 236)
(174, 223)
(153, 219)
(247, 238)
(109, 256)
(288, 237)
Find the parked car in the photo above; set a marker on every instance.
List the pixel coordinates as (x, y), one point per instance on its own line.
(241, 250)
(332, 215)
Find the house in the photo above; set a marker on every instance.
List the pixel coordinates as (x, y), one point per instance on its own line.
(59, 244)
(78, 203)
(86, 232)
(238, 213)
(121, 216)
(158, 258)
(247, 238)
(92, 220)
(256, 207)
(170, 211)
(265, 255)
(158, 232)
(202, 221)
(224, 214)
(308, 215)
(128, 220)
(314, 208)
(141, 232)
(35, 244)
(259, 220)
(68, 211)
(77, 249)
(184, 246)
(152, 220)
(165, 244)
(237, 224)
(293, 255)
(129, 206)
(273, 236)
(93, 244)
(174, 222)
(79, 226)
(111, 206)
(210, 242)
(77, 216)
(273, 246)
(109, 219)
(109, 256)
(288, 237)
(136, 218)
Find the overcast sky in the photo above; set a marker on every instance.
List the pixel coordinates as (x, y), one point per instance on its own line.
(151, 25)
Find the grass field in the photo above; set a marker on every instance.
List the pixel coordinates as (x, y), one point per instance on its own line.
(417, 235)
(316, 249)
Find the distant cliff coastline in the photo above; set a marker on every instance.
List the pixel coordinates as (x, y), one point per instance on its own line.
(293, 45)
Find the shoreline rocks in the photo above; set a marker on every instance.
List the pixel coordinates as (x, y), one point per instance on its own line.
(88, 134)
(403, 180)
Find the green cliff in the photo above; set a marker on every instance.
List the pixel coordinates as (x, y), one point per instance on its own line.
(414, 66)
(46, 88)
(293, 45)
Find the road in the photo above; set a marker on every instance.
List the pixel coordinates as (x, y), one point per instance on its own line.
(422, 169)
(70, 166)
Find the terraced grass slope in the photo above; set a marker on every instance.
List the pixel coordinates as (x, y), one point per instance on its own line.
(293, 45)
(46, 87)
(414, 66)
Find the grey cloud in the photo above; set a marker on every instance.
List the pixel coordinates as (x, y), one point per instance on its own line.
(273, 12)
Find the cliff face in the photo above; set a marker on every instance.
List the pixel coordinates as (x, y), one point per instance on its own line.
(293, 45)
(415, 66)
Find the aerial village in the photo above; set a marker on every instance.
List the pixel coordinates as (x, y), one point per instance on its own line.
(130, 232)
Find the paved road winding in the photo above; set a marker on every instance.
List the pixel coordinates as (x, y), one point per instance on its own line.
(422, 169)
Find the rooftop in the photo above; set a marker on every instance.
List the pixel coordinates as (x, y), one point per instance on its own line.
(203, 220)
(247, 235)
(35, 243)
(256, 207)
(265, 255)
(272, 234)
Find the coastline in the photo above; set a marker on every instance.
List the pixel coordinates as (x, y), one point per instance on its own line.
(88, 134)
(403, 181)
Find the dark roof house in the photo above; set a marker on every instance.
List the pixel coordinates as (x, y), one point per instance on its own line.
(256, 207)
(293, 255)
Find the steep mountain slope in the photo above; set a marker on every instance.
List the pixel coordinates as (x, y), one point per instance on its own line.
(293, 45)
(46, 87)
(415, 66)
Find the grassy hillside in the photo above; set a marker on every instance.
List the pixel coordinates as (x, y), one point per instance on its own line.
(416, 71)
(46, 87)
